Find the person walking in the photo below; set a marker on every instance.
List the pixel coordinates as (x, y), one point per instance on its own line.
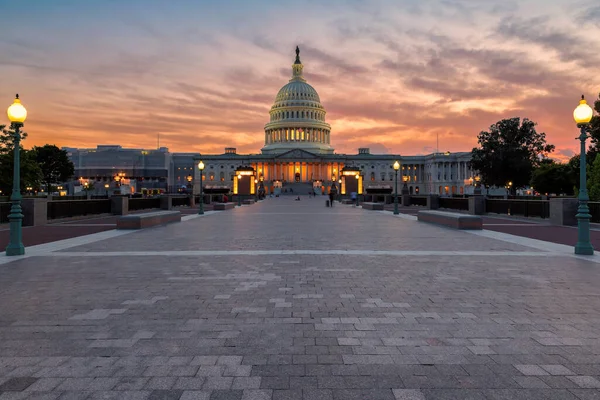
(331, 198)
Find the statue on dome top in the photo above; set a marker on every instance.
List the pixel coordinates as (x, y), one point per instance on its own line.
(297, 56)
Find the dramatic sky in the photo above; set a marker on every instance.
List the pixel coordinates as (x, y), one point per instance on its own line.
(393, 74)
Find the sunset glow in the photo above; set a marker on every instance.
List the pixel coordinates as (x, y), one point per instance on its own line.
(394, 75)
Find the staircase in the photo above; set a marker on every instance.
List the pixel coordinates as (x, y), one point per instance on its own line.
(299, 188)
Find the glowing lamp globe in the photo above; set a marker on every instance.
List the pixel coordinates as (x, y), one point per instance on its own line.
(16, 112)
(396, 166)
(201, 166)
(583, 113)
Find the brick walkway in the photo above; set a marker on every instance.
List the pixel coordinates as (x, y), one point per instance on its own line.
(67, 230)
(529, 228)
(292, 300)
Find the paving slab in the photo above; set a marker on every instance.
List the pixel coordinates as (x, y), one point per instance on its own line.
(287, 299)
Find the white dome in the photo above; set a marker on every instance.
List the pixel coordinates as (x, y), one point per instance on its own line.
(297, 118)
(297, 90)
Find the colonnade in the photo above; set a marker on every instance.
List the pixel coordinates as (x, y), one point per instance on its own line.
(308, 171)
(282, 135)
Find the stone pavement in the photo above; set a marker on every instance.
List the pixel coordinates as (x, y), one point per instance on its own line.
(533, 228)
(67, 229)
(292, 300)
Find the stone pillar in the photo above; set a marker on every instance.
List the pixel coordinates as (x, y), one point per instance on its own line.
(563, 210)
(119, 205)
(433, 201)
(35, 211)
(477, 205)
(166, 202)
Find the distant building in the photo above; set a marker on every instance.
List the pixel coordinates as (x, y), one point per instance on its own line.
(297, 153)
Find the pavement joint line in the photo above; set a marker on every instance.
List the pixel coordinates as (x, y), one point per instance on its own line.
(46, 249)
(555, 248)
(416, 253)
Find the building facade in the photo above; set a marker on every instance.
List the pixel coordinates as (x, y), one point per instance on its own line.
(297, 154)
(298, 151)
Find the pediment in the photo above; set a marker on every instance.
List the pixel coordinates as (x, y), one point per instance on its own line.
(297, 154)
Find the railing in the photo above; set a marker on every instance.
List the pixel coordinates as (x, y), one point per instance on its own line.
(4, 211)
(74, 208)
(418, 201)
(526, 208)
(594, 210)
(180, 201)
(454, 203)
(144, 203)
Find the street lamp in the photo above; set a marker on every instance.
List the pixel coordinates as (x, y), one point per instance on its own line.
(583, 116)
(477, 190)
(201, 208)
(238, 191)
(357, 183)
(17, 115)
(396, 168)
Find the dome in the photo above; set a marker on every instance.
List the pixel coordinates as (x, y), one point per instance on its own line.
(297, 90)
(297, 118)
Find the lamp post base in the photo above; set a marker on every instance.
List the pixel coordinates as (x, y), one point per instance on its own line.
(15, 246)
(584, 249)
(15, 250)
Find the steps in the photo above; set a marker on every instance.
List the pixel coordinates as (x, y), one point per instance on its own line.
(298, 188)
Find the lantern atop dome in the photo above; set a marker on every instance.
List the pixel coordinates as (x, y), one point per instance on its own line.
(297, 68)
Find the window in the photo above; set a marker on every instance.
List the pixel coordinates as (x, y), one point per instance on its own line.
(372, 176)
(222, 176)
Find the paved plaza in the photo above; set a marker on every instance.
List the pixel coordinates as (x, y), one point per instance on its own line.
(292, 300)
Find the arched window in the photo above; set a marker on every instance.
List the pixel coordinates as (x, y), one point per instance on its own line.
(383, 176)
(302, 114)
(287, 114)
(372, 176)
(222, 176)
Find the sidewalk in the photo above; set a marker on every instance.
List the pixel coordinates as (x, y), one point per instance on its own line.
(539, 229)
(33, 235)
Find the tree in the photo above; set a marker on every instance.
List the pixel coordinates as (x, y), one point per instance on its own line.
(54, 164)
(30, 171)
(509, 152)
(593, 184)
(594, 129)
(551, 177)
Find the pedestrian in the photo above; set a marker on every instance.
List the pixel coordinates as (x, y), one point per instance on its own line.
(331, 198)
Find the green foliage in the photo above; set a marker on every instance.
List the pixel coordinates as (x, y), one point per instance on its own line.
(30, 171)
(551, 177)
(594, 128)
(509, 152)
(54, 164)
(593, 183)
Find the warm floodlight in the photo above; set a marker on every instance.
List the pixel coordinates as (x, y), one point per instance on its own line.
(16, 112)
(582, 114)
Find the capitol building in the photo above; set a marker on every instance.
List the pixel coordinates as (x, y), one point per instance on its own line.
(298, 156)
(298, 153)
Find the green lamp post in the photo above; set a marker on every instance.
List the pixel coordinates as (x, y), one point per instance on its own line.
(583, 115)
(17, 115)
(396, 168)
(201, 208)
